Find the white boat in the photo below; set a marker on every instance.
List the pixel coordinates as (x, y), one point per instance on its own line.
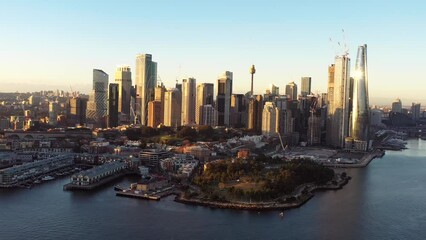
(47, 178)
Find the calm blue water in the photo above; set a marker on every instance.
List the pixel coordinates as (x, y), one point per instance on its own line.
(386, 200)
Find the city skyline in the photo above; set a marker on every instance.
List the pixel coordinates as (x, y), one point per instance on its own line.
(281, 51)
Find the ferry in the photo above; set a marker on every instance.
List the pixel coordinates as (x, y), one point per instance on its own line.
(47, 178)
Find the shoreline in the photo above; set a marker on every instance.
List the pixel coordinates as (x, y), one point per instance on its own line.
(302, 199)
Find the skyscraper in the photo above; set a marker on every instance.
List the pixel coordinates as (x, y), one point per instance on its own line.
(360, 108)
(305, 86)
(338, 108)
(172, 107)
(123, 77)
(204, 97)
(97, 105)
(53, 112)
(269, 119)
(238, 111)
(188, 101)
(209, 115)
(76, 111)
(255, 113)
(146, 79)
(223, 100)
(397, 106)
(155, 113)
(415, 111)
(291, 90)
(113, 104)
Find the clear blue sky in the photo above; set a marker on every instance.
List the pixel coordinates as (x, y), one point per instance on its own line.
(55, 44)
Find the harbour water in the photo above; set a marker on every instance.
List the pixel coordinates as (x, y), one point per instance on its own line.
(385, 200)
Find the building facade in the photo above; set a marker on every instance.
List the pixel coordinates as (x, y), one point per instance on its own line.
(146, 79)
(204, 97)
(338, 107)
(113, 104)
(97, 104)
(123, 77)
(172, 107)
(223, 99)
(305, 86)
(291, 90)
(188, 101)
(360, 102)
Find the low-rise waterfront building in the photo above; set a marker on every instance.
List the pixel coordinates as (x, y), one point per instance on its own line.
(14, 175)
(98, 173)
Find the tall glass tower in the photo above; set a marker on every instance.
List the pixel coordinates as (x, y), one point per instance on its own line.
(146, 79)
(360, 108)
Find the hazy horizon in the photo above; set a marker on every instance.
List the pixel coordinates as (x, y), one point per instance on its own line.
(49, 45)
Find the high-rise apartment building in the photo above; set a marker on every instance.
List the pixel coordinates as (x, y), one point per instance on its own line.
(291, 90)
(338, 108)
(209, 115)
(188, 101)
(146, 79)
(223, 100)
(123, 77)
(360, 104)
(305, 86)
(113, 104)
(204, 97)
(172, 108)
(97, 104)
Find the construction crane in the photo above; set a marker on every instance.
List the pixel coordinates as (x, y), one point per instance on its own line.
(342, 48)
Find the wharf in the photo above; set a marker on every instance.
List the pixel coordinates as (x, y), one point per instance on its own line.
(71, 186)
(131, 194)
(142, 195)
(362, 163)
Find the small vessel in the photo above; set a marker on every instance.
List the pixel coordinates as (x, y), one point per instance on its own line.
(37, 181)
(281, 214)
(47, 178)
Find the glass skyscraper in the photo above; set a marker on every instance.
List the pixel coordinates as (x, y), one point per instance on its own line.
(360, 108)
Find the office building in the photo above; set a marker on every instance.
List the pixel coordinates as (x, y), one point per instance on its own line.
(172, 108)
(269, 119)
(123, 77)
(188, 101)
(76, 111)
(204, 97)
(415, 111)
(53, 113)
(238, 111)
(146, 79)
(397, 106)
(113, 104)
(155, 114)
(305, 86)
(255, 110)
(291, 90)
(223, 99)
(314, 130)
(97, 104)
